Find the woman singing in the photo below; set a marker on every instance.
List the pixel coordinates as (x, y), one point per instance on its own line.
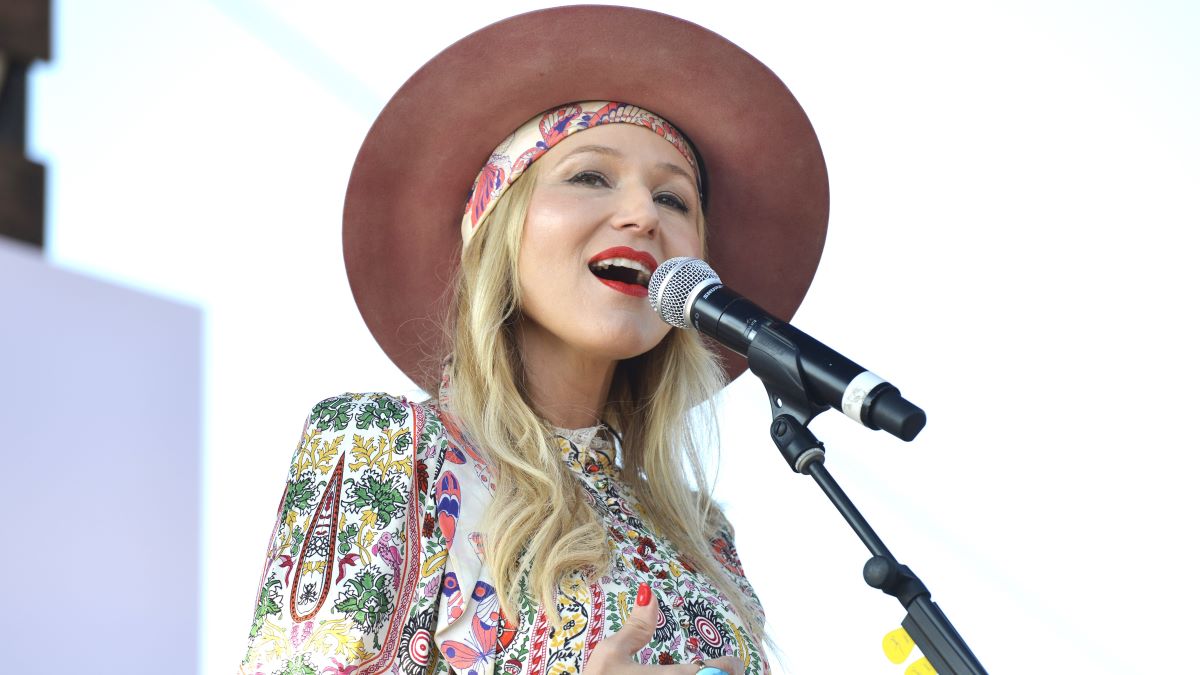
(546, 512)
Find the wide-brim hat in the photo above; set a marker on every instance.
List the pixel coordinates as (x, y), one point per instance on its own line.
(766, 184)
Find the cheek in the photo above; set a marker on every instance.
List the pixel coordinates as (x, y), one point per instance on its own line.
(531, 273)
(554, 239)
(686, 242)
(544, 270)
(549, 230)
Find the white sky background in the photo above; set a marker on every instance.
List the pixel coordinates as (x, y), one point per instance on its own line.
(1013, 228)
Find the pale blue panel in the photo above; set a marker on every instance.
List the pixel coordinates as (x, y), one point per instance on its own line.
(100, 429)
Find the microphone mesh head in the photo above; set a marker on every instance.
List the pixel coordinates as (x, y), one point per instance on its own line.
(672, 284)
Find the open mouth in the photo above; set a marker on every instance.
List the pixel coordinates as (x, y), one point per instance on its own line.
(622, 270)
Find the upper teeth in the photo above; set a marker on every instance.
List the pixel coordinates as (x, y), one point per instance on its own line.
(623, 262)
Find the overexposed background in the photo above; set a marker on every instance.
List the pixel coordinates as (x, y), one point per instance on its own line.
(1012, 243)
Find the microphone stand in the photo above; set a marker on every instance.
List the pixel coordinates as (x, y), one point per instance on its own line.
(792, 410)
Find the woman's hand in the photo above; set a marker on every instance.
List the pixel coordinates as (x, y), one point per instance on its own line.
(614, 654)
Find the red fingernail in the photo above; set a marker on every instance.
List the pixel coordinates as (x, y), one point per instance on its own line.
(643, 596)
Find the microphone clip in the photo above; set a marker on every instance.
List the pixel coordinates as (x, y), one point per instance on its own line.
(772, 357)
(800, 448)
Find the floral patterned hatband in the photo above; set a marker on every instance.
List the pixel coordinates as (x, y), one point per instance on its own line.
(532, 139)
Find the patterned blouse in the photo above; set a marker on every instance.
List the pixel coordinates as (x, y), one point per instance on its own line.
(375, 563)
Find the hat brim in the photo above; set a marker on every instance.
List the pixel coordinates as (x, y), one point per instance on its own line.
(767, 189)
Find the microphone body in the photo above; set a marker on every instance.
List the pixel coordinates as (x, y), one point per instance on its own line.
(781, 354)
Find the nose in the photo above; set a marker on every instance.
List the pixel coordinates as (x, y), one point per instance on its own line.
(637, 212)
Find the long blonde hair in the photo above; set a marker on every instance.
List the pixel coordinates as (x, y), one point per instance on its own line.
(537, 524)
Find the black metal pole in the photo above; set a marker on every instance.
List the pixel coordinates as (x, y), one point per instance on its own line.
(926, 624)
(928, 627)
(846, 507)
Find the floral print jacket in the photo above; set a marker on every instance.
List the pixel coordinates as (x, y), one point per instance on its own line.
(375, 562)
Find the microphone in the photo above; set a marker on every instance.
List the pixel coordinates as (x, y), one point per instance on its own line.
(687, 293)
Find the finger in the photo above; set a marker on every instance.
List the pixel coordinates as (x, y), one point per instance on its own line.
(729, 664)
(639, 627)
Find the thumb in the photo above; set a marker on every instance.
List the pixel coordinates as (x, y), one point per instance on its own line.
(639, 627)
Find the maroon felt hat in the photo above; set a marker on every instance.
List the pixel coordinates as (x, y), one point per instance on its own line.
(766, 185)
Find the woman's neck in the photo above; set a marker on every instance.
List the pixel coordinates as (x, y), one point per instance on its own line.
(568, 389)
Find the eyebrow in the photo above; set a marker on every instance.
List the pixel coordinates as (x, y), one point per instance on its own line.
(670, 167)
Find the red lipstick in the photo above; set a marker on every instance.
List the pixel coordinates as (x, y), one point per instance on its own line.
(628, 253)
(635, 266)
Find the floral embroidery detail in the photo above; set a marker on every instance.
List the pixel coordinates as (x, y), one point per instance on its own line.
(554, 126)
(664, 628)
(709, 627)
(381, 488)
(722, 547)
(366, 599)
(490, 182)
(630, 114)
(416, 642)
(587, 450)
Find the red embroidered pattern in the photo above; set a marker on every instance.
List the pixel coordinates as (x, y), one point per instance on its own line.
(408, 581)
(324, 524)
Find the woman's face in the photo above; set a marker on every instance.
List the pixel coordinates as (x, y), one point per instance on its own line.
(609, 205)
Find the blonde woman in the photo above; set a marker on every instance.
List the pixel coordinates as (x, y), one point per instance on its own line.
(547, 512)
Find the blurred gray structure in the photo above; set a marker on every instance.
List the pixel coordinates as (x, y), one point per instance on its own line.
(24, 38)
(100, 443)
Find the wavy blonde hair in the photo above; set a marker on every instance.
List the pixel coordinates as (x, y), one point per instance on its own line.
(538, 523)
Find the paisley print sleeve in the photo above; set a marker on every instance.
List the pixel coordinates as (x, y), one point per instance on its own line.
(352, 575)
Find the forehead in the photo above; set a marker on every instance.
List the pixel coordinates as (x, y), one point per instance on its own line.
(626, 141)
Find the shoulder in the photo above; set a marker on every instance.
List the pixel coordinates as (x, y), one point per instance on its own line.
(364, 411)
(720, 537)
(372, 411)
(365, 424)
(367, 429)
(718, 522)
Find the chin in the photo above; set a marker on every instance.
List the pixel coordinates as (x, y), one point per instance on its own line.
(627, 343)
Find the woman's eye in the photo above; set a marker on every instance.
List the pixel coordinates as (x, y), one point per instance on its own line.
(590, 178)
(668, 199)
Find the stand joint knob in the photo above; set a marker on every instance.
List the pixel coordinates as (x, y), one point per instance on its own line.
(898, 581)
(879, 572)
